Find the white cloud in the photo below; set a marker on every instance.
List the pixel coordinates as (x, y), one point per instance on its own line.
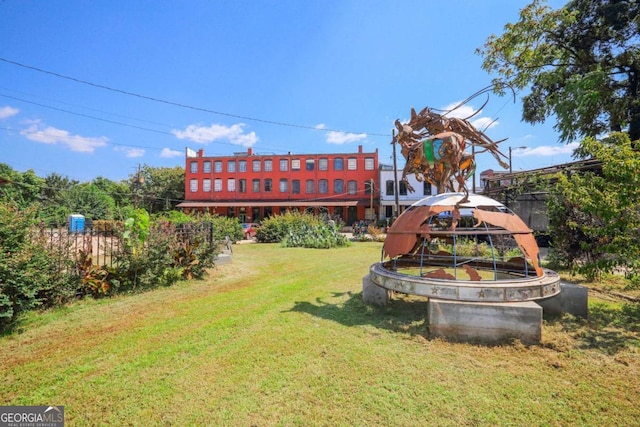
(51, 135)
(131, 152)
(467, 112)
(168, 153)
(135, 152)
(462, 112)
(484, 123)
(338, 137)
(6, 112)
(546, 150)
(234, 134)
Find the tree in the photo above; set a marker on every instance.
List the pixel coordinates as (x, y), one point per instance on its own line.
(52, 207)
(595, 218)
(90, 201)
(121, 193)
(580, 62)
(162, 188)
(22, 188)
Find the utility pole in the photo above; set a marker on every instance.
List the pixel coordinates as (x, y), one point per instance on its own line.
(137, 183)
(473, 175)
(371, 187)
(396, 207)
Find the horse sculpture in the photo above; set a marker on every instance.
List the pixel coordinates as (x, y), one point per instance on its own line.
(434, 149)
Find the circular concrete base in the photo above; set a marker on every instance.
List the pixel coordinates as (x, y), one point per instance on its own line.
(512, 290)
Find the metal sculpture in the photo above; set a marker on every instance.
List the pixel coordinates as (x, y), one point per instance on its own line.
(434, 148)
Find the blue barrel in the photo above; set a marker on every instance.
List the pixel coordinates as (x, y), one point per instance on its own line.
(76, 223)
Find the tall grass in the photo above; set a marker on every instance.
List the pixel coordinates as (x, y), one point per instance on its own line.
(281, 337)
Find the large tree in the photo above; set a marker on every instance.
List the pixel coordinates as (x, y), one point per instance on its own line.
(22, 188)
(160, 189)
(581, 63)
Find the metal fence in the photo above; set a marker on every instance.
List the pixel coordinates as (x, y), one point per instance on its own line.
(105, 246)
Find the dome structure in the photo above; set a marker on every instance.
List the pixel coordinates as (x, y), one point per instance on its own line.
(467, 248)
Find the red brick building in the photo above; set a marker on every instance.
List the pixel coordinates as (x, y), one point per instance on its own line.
(251, 187)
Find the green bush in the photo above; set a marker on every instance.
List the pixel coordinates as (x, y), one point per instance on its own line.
(157, 254)
(274, 229)
(31, 274)
(224, 226)
(36, 273)
(294, 229)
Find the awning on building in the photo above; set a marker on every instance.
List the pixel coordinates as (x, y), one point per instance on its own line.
(273, 203)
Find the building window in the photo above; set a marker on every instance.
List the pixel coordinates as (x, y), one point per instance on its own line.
(231, 166)
(352, 164)
(368, 187)
(268, 165)
(217, 166)
(193, 167)
(390, 187)
(352, 187)
(284, 185)
(267, 185)
(217, 185)
(426, 188)
(242, 165)
(206, 185)
(310, 164)
(338, 186)
(368, 163)
(311, 187)
(284, 165)
(256, 185)
(206, 167)
(242, 184)
(338, 164)
(295, 186)
(323, 186)
(231, 184)
(295, 164)
(323, 164)
(256, 166)
(193, 185)
(403, 189)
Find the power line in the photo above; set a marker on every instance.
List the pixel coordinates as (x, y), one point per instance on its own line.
(193, 138)
(84, 107)
(177, 104)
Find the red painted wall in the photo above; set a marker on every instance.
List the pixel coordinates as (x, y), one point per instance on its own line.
(360, 175)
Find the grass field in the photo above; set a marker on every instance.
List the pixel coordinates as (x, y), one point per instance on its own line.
(281, 337)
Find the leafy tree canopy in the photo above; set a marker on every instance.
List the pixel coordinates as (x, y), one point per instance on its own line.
(580, 62)
(162, 188)
(22, 188)
(594, 218)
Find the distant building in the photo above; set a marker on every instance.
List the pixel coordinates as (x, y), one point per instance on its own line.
(515, 190)
(251, 186)
(405, 197)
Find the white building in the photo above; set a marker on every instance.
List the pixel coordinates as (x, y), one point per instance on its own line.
(405, 198)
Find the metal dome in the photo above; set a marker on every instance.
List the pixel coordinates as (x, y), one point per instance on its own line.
(477, 250)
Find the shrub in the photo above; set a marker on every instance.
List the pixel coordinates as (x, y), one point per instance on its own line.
(30, 272)
(274, 229)
(223, 227)
(316, 236)
(161, 254)
(36, 271)
(295, 229)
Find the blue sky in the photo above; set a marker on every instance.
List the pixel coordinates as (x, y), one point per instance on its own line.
(97, 88)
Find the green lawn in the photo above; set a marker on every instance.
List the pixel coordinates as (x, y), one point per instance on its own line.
(281, 337)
